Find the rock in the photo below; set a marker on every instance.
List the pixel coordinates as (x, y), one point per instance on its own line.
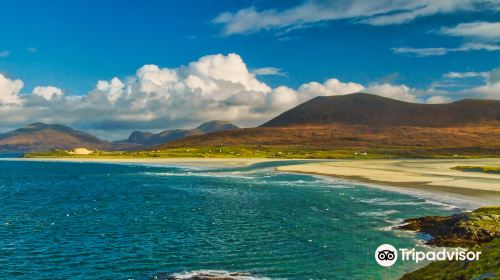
(461, 230)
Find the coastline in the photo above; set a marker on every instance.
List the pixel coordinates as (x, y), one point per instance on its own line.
(414, 176)
(196, 162)
(430, 178)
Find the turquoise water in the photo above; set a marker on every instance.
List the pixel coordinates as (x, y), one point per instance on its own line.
(110, 221)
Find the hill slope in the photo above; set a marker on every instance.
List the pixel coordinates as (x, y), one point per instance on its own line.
(367, 109)
(364, 121)
(150, 139)
(42, 137)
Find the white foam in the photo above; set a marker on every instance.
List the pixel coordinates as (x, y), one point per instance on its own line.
(216, 274)
(378, 213)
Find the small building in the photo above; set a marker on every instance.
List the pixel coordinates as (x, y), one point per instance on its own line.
(81, 151)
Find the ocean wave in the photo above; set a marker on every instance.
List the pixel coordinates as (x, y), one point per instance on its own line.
(210, 275)
(198, 174)
(386, 202)
(441, 204)
(378, 213)
(393, 223)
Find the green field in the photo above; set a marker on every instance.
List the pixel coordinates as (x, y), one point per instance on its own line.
(484, 169)
(276, 152)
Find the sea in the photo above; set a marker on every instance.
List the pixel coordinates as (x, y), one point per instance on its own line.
(69, 220)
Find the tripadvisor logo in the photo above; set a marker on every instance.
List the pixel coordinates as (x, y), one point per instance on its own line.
(387, 255)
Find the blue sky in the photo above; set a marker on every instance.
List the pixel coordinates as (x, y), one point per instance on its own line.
(71, 45)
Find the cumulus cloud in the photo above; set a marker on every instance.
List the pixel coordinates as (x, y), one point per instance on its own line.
(437, 100)
(212, 87)
(48, 92)
(492, 87)
(400, 92)
(329, 87)
(385, 12)
(9, 91)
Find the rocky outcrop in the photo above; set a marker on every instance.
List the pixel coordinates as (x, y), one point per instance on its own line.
(479, 230)
(461, 230)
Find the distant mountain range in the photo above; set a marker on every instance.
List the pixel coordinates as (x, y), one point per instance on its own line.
(44, 137)
(150, 139)
(365, 120)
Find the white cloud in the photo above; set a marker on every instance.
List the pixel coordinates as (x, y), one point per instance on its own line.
(268, 71)
(421, 52)
(492, 87)
(483, 36)
(212, 87)
(437, 100)
(113, 88)
(385, 12)
(464, 75)
(400, 92)
(4, 53)
(488, 31)
(329, 87)
(48, 92)
(467, 47)
(283, 98)
(9, 90)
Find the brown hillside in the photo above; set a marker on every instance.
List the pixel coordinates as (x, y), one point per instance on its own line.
(364, 120)
(368, 109)
(485, 135)
(44, 137)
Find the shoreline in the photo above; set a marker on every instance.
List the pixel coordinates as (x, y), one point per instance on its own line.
(421, 177)
(427, 178)
(195, 162)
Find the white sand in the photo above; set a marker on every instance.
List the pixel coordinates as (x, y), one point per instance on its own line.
(203, 162)
(431, 172)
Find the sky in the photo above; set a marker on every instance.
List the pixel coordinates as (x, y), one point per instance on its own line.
(110, 67)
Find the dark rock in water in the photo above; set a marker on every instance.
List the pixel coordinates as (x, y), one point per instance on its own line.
(463, 230)
(203, 275)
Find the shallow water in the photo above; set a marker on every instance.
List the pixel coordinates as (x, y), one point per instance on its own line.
(110, 221)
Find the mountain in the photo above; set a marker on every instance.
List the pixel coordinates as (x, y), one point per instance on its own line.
(150, 139)
(43, 137)
(368, 121)
(214, 126)
(368, 109)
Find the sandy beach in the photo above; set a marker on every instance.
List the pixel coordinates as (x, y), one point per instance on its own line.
(200, 162)
(432, 175)
(425, 174)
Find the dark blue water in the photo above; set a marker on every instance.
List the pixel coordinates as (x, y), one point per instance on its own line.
(109, 221)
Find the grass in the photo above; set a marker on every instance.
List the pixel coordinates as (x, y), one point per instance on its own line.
(484, 169)
(487, 267)
(280, 152)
